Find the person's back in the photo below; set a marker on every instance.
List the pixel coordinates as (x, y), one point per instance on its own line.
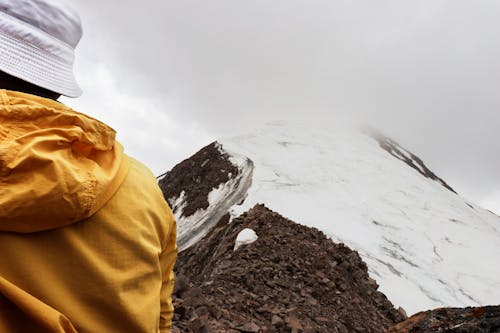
(87, 241)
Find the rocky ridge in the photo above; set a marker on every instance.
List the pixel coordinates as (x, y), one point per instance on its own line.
(413, 161)
(292, 279)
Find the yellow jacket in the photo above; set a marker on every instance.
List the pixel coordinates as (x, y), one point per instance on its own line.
(87, 242)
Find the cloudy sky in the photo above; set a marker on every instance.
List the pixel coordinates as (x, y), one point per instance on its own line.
(171, 76)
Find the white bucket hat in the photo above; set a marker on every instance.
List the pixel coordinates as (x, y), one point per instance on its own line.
(37, 43)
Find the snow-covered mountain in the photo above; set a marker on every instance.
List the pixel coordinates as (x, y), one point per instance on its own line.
(424, 244)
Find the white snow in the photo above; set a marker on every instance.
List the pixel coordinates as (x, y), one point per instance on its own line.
(245, 237)
(424, 245)
(179, 203)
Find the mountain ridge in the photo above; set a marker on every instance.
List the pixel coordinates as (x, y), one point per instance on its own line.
(415, 233)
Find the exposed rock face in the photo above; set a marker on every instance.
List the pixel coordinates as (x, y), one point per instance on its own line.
(197, 176)
(202, 189)
(452, 320)
(393, 148)
(292, 279)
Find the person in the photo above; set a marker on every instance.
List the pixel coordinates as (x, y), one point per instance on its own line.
(87, 241)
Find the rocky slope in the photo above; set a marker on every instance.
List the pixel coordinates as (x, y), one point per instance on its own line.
(452, 320)
(292, 279)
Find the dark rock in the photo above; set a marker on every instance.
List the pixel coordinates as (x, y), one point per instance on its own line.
(452, 320)
(181, 285)
(277, 321)
(403, 312)
(393, 148)
(199, 325)
(197, 177)
(293, 323)
(249, 328)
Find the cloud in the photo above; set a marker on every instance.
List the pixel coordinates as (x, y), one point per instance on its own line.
(145, 127)
(425, 72)
(492, 202)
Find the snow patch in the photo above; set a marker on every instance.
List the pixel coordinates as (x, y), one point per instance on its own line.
(179, 203)
(245, 237)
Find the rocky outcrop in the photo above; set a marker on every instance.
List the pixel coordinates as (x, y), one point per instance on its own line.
(196, 177)
(452, 320)
(202, 189)
(395, 149)
(292, 279)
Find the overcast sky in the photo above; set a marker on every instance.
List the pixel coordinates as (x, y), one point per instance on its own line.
(171, 76)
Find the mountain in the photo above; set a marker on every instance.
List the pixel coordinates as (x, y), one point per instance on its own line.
(423, 243)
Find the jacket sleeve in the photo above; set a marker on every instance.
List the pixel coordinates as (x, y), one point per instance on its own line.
(167, 261)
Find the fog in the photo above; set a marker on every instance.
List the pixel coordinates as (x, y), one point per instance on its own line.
(170, 76)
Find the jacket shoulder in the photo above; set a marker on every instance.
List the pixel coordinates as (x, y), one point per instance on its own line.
(141, 194)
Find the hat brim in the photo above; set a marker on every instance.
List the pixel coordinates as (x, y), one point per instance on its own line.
(34, 65)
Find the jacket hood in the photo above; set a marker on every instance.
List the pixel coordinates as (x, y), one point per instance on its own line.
(57, 166)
